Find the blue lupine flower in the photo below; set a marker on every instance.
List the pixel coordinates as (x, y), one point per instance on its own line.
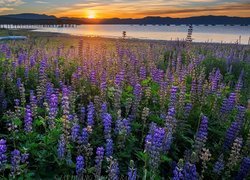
(190, 172)
(231, 134)
(109, 148)
(154, 144)
(132, 173)
(244, 169)
(114, 170)
(90, 114)
(15, 161)
(84, 137)
(75, 130)
(98, 160)
(61, 147)
(218, 166)
(107, 120)
(79, 165)
(202, 133)
(3, 157)
(28, 120)
(82, 114)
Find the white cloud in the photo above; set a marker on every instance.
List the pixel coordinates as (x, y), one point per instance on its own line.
(41, 2)
(9, 3)
(5, 9)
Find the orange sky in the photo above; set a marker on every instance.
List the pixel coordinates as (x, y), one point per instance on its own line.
(127, 8)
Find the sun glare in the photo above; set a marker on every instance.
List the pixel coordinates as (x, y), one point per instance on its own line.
(91, 15)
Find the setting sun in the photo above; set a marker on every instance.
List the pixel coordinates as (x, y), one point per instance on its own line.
(91, 14)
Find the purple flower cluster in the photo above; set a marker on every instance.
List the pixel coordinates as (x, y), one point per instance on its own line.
(75, 130)
(53, 109)
(15, 162)
(244, 169)
(28, 120)
(83, 137)
(90, 114)
(79, 165)
(201, 135)
(154, 144)
(65, 101)
(218, 166)
(122, 127)
(61, 150)
(188, 172)
(3, 157)
(231, 134)
(107, 121)
(109, 148)
(132, 173)
(98, 160)
(173, 97)
(114, 170)
(228, 104)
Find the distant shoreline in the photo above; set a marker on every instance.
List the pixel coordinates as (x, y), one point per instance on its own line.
(37, 34)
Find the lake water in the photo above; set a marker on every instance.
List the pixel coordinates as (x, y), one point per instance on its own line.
(201, 33)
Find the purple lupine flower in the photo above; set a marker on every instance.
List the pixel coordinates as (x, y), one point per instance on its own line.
(114, 170)
(228, 104)
(177, 173)
(215, 80)
(61, 150)
(3, 157)
(240, 117)
(90, 114)
(98, 160)
(244, 169)
(143, 73)
(119, 78)
(173, 97)
(24, 158)
(218, 166)
(231, 134)
(84, 137)
(18, 83)
(154, 143)
(107, 121)
(190, 172)
(28, 119)
(138, 92)
(104, 109)
(109, 148)
(82, 114)
(79, 165)
(33, 102)
(75, 130)
(65, 101)
(93, 77)
(15, 161)
(122, 127)
(53, 109)
(49, 91)
(187, 109)
(132, 173)
(201, 135)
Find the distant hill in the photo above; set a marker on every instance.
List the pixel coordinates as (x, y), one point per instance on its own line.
(30, 18)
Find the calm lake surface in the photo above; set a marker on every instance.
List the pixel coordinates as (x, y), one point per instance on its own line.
(201, 33)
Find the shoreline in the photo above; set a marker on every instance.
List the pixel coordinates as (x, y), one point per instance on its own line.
(36, 34)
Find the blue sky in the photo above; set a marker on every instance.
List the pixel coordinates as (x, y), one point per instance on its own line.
(127, 8)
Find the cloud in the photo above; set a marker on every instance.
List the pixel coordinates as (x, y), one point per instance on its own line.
(228, 7)
(41, 2)
(5, 9)
(10, 3)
